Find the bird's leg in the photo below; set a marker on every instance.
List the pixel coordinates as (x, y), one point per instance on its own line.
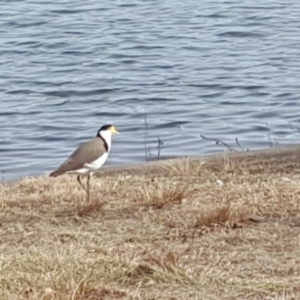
(78, 179)
(88, 188)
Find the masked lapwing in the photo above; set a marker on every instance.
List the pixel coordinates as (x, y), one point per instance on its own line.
(89, 157)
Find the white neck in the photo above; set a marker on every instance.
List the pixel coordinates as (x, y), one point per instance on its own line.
(106, 135)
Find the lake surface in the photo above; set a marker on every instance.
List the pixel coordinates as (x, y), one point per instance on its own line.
(221, 69)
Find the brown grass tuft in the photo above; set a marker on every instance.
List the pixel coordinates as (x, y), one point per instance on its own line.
(83, 291)
(87, 209)
(213, 216)
(224, 215)
(161, 195)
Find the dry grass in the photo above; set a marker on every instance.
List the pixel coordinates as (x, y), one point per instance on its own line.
(197, 232)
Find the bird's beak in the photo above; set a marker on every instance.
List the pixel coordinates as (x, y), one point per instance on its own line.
(113, 130)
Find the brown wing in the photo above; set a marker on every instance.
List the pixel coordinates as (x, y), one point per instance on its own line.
(86, 153)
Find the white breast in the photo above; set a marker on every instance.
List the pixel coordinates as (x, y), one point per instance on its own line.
(98, 163)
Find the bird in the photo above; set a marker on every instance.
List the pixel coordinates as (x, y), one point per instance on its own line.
(89, 157)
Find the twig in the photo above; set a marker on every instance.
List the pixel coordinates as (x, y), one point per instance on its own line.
(269, 136)
(160, 143)
(218, 141)
(238, 143)
(292, 127)
(146, 135)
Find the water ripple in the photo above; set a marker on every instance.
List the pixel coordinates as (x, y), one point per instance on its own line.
(223, 70)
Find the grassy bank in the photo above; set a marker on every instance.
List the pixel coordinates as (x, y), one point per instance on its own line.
(222, 227)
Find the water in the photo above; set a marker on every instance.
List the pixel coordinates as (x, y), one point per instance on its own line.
(222, 69)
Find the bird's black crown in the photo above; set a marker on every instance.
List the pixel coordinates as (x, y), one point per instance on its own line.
(105, 127)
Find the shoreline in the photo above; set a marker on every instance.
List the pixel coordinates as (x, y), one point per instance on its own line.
(277, 157)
